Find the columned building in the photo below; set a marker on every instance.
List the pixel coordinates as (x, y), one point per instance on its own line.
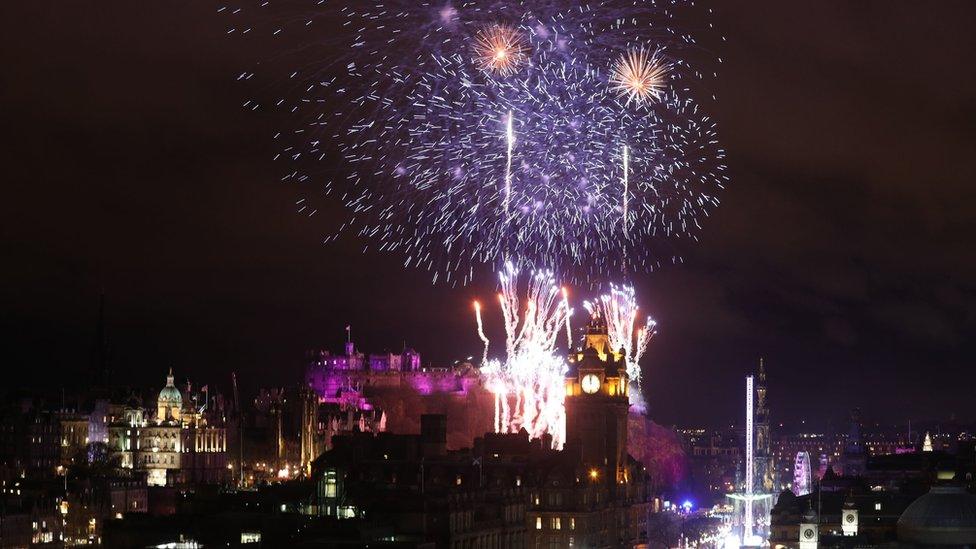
(183, 443)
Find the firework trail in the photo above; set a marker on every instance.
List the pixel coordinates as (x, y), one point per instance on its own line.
(626, 155)
(481, 331)
(619, 310)
(394, 108)
(509, 143)
(569, 314)
(528, 384)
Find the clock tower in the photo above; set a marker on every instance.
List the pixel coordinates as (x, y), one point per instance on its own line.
(597, 403)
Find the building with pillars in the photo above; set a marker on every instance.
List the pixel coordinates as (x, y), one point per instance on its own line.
(180, 442)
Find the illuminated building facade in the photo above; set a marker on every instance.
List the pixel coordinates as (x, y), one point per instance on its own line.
(506, 490)
(603, 499)
(347, 378)
(597, 403)
(182, 443)
(377, 392)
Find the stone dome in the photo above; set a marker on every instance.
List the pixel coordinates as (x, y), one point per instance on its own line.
(170, 396)
(944, 516)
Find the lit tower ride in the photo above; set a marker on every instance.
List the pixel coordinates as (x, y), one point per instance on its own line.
(749, 496)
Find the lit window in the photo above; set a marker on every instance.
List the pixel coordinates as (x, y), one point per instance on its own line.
(538, 523)
(572, 524)
(877, 506)
(557, 523)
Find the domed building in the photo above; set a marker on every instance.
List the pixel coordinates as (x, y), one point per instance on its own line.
(946, 516)
(169, 405)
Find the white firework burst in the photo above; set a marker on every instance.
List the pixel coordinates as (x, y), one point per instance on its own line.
(499, 49)
(640, 76)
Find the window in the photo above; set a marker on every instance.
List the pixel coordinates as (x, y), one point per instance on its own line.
(572, 526)
(538, 523)
(557, 523)
(877, 506)
(330, 484)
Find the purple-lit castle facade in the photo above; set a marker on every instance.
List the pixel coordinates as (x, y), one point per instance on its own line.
(344, 379)
(390, 391)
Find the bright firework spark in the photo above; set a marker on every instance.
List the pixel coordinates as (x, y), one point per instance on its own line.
(528, 385)
(569, 314)
(499, 49)
(619, 309)
(400, 124)
(640, 77)
(481, 331)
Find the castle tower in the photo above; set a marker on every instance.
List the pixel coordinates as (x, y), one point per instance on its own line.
(597, 403)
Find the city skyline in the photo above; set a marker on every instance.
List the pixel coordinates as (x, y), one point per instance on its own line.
(839, 252)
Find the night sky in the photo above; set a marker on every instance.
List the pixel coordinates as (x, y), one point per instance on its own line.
(842, 251)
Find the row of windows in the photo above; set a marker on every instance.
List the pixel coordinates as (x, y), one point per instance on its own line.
(556, 523)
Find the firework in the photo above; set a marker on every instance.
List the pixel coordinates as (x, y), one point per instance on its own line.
(408, 118)
(528, 383)
(499, 49)
(509, 144)
(569, 314)
(619, 310)
(639, 77)
(624, 200)
(481, 331)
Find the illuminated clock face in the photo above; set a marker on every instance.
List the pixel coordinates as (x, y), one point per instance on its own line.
(590, 383)
(808, 533)
(850, 518)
